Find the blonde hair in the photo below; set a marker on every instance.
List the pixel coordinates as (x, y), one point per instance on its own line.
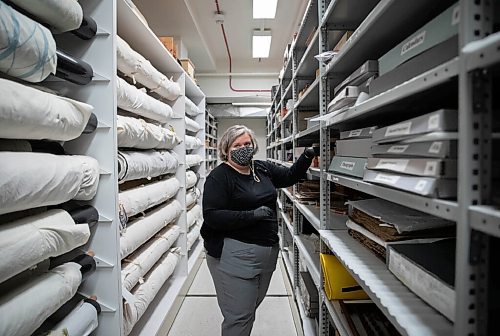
(230, 135)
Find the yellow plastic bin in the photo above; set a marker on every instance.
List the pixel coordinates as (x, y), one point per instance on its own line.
(339, 284)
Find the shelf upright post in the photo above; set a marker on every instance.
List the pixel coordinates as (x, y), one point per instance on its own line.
(473, 174)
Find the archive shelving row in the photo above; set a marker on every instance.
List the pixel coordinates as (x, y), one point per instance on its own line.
(465, 82)
(210, 142)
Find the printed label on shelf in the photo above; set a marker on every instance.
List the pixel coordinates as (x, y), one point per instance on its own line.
(355, 133)
(372, 129)
(435, 147)
(349, 165)
(455, 17)
(430, 168)
(433, 122)
(398, 129)
(388, 179)
(413, 43)
(398, 149)
(398, 165)
(420, 186)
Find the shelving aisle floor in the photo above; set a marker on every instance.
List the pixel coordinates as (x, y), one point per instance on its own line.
(200, 316)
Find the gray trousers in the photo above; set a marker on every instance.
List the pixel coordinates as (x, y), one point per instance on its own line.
(241, 278)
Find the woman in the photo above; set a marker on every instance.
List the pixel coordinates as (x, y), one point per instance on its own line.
(240, 227)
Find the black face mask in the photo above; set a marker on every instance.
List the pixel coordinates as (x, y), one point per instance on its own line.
(242, 156)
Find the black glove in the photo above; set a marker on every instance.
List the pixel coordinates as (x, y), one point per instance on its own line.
(310, 153)
(263, 212)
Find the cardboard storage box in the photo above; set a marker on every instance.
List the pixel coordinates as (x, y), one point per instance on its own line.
(343, 40)
(354, 147)
(361, 74)
(425, 186)
(188, 67)
(359, 133)
(348, 165)
(439, 29)
(168, 42)
(432, 149)
(418, 167)
(302, 119)
(440, 120)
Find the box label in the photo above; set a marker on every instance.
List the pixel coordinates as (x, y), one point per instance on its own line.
(355, 133)
(413, 43)
(455, 17)
(431, 168)
(420, 186)
(397, 165)
(398, 129)
(397, 149)
(435, 147)
(433, 122)
(349, 165)
(388, 179)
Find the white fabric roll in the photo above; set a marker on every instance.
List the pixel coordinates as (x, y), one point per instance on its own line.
(27, 113)
(192, 142)
(27, 49)
(28, 241)
(136, 165)
(192, 125)
(145, 293)
(24, 309)
(191, 109)
(81, 321)
(30, 180)
(141, 230)
(132, 99)
(193, 235)
(139, 199)
(192, 196)
(136, 133)
(141, 261)
(63, 15)
(193, 215)
(191, 179)
(193, 160)
(134, 65)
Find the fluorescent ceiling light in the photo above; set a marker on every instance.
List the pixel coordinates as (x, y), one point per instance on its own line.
(264, 9)
(261, 43)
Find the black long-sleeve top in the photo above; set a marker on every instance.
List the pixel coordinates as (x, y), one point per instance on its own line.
(230, 197)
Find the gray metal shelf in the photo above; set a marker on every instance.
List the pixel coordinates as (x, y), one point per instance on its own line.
(407, 312)
(308, 64)
(310, 212)
(287, 221)
(345, 14)
(313, 172)
(485, 219)
(287, 193)
(308, 324)
(306, 249)
(310, 98)
(482, 53)
(307, 132)
(333, 308)
(309, 21)
(437, 207)
(288, 92)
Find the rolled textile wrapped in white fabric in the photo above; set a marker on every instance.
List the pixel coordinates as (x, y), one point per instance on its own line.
(63, 15)
(81, 321)
(192, 196)
(192, 125)
(132, 99)
(193, 160)
(141, 261)
(28, 113)
(191, 179)
(136, 133)
(25, 308)
(192, 142)
(27, 49)
(134, 165)
(139, 199)
(193, 235)
(134, 65)
(193, 215)
(191, 109)
(30, 180)
(145, 292)
(141, 230)
(30, 240)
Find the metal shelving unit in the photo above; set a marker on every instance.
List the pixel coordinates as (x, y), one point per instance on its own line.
(210, 142)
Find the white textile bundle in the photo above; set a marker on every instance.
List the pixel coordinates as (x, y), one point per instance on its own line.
(139, 199)
(191, 179)
(136, 133)
(192, 142)
(191, 109)
(192, 196)
(25, 308)
(193, 160)
(134, 165)
(63, 15)
(30, 180)
(141, 261)
(132, 99)
(141, 230)
(81, 321)
(146, 292)
(193, 215)
(192, 125)
(28, 113)
(193, 235)
(134, 65)
(30, 240)
(27, 49)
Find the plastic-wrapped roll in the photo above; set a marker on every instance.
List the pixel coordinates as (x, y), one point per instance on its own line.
(192, 196)
(137, 165)
(132, 99)
(30, 180)
(191, 179)
(193, 235)
(192, 125)
(192, 142)
(28, 113)
(141, 261)
(193, 215)
(81, 321)
(24, 309)
(63, 15)
(141, 230)
(191, 109)
(134, 65)
(30, 240)
(136, 133)
(27, 49)
(193, 160)
(145, 292)
(137, 200)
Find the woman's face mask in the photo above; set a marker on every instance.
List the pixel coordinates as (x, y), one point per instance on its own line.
(242, 155)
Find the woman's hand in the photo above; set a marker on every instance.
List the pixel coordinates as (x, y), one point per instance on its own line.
(263, 212)
(310, 153)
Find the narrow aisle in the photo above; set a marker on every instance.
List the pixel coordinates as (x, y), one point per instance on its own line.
(200, 316)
